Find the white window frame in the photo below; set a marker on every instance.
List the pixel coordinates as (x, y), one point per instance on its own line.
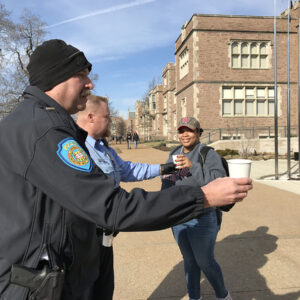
(165, 103)
(165, 80)
(184, 63)
(183, 107)
(241, 95)
(244, 53)
(153, 101)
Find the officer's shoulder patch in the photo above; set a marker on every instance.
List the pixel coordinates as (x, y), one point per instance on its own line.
(73, 155)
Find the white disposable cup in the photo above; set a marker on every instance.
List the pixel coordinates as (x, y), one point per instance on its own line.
(107, 240)
(174, 157)
(239, 167)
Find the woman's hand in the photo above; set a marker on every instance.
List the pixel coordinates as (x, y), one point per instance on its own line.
(183, 162)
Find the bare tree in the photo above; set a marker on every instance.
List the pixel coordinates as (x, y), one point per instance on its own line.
(5, 25)
(19, 40)
(17, 43)
(94, 78)
(120, 127)
(113, 111)
(151, 85)
(147, 119)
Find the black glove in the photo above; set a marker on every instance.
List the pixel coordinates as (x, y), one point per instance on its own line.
(168, 168)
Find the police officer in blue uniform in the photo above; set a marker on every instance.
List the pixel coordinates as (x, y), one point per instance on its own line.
(53, 195)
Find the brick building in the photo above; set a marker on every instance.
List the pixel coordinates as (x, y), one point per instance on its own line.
(130, 122)
(224, 76)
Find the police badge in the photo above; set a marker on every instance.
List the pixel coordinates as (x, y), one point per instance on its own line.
(72, 154)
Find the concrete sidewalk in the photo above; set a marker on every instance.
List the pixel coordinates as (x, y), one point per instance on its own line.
(263, 171)
(257, 247)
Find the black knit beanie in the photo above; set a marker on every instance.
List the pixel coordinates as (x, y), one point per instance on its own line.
(54, 62)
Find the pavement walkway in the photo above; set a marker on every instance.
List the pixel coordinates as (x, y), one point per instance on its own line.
(257, 247)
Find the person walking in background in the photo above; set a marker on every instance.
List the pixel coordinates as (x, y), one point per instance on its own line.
(197, 237)
(120, 138)
(95, 119)
(129, 139)
(135, 139)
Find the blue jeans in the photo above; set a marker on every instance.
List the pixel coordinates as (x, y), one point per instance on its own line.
(196, 240)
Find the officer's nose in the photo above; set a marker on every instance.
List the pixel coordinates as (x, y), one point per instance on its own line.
(89, 84)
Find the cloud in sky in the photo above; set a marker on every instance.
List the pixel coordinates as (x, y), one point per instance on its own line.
(109, 31)
(103, 11)
(111, 36)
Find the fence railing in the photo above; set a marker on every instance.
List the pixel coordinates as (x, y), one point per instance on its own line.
(211, 135)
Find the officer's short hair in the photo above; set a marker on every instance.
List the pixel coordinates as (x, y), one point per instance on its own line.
(93, 102)
(97, 99)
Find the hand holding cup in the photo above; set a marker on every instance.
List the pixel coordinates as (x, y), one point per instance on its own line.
(181, 161)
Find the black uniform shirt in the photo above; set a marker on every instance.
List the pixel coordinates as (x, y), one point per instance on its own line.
(52, 195)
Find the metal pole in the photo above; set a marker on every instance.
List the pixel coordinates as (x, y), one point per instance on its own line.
(299, 97)
(288, 101)
(275, 97)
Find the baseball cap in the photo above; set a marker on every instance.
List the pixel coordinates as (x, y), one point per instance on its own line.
(189, 122)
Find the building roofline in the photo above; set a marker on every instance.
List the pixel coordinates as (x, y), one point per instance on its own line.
(233, 16)
(239, 16)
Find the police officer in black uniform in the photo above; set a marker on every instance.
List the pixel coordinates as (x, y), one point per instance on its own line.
(52, 194)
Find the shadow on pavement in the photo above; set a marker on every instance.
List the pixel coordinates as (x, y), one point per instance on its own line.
(240, 257)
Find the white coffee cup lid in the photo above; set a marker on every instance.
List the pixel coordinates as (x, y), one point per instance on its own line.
(239, 161)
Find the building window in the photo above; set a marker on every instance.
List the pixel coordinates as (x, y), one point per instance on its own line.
(175, 119)
(154, 102)
(247, 101)
(165, 104)
(183, 107)
(184, 63)
(249, 54)
(165, 80)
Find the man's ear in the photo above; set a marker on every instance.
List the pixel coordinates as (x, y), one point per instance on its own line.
(90, 117)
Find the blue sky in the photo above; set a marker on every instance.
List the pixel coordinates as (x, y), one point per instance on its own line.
(129, 42)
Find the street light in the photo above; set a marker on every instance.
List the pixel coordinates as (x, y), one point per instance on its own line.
(275, 96)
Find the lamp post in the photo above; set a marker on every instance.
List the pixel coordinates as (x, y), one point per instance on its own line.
(275, 96)
(299, 98)
(288, 100)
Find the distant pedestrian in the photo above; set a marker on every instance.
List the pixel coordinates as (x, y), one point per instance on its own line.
(129, 139)
(135, 139)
